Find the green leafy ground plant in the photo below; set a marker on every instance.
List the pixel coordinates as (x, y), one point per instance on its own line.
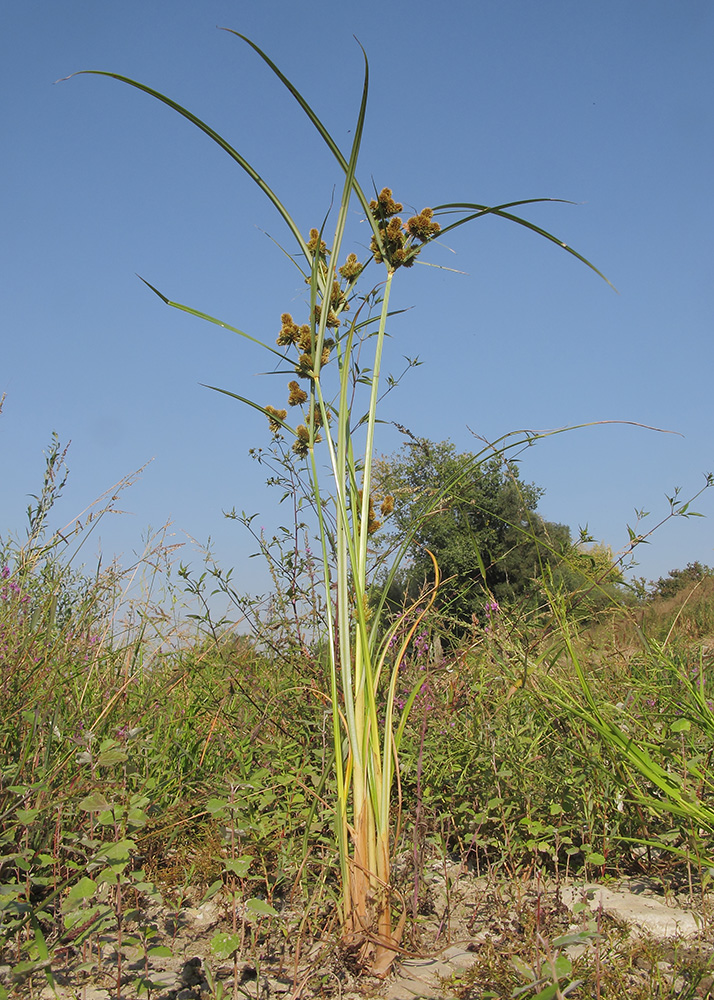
(334, 368)
(132, 774)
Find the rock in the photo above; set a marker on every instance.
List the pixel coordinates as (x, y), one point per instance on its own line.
(201, 918)
(165, 980)
(411, 989)
(458, 957)
(192, 972)
(89, 992)
(645, 913)
(421, 977)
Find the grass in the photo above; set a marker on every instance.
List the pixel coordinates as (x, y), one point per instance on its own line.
(150, 760)
(338, 360)
(277, 764)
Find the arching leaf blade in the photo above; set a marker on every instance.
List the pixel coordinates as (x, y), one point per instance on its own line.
(249, 402)
(216, 322)
(216, 137)
(477, 211)
(314, 118)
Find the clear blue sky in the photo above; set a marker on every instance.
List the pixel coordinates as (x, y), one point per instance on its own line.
(608, 104)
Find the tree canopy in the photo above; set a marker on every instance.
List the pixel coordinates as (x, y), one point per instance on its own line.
(485, 532)
(680, 579)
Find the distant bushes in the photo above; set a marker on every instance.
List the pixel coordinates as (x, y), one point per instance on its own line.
(679, 579)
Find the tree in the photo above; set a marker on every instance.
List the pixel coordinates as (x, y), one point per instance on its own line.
(592, 577)
(679, 579)
(485, 533)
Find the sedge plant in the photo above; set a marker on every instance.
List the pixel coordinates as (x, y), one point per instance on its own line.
(332, 358)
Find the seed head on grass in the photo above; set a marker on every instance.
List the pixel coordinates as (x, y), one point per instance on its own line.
(387, 506)
(373, 524)
(400, 258)
(397, 240)
(275, 417)
(297, 395)
(316, 245)
(351, 269)
(290, 331)
(338, 299)
(385, 205)
(304, 341)
(332, 318)
(421, 226)
(394, 230)
(304, 367)
(315, 420)
(301, 446)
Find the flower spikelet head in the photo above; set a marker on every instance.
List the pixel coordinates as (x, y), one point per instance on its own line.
(332, 318)
(372, 523)
(289, 332)
(315, 242)
(376, 252)
(304, 366)
(422, 227)
(301, 445)
(297, 395)
(385, 205)
(305, 339)
(390, 244)
(274, 418)
(351, 268)
(387, 506)
(338, 299)
(394, 229)
(316, 418)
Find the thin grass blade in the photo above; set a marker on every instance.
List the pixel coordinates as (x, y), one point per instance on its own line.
(477, 211)
(316, 121)
(216, 322)
(217, 138)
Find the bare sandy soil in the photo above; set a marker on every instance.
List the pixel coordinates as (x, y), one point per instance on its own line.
(472, 936)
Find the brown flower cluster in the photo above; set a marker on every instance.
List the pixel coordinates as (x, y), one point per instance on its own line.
(302, 338)
(397, 245)
(372, 523)
(274, 418)
(421, 226)
(316, 245)
(385, 206)
(386, 509)
(387, 506)
(297, 395)
(301, 446)
(291, 333)
(351, 269)
(332, 320)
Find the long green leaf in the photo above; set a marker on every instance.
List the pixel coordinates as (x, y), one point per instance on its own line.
(499, 210)
(216, 322)
(316, 121)
(250, 402)
(218, 139)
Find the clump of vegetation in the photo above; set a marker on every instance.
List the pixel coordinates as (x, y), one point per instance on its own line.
(334, 355)
(490, 542)
(680, 579)
(299, 765)
(155, 764)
